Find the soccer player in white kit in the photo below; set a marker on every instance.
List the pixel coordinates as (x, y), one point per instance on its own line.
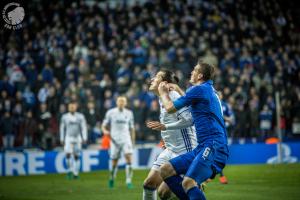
(119, 124)
(177, 132)
(73, 132)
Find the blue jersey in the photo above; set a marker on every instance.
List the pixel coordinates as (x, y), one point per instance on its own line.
(207, 112)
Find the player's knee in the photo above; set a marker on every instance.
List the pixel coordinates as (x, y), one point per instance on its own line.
(68, 155)
(76, 157)
(164, 193)
(188, 183)
(167, 170)
(150, 183)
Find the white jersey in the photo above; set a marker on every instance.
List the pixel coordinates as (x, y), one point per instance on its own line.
(73, 127)
(177, 140)
(120, 123)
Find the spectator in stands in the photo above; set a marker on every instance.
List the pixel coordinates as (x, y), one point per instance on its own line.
(95, 56)
(7, 130)
(265, 120)
(30, 127)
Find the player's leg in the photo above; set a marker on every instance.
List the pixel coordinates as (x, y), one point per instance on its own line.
(76, 165)
(68, 151)
(69, 165)
(223, 178)
(164, 191)
(128, 169)
(152, 182)
(172, 170)
(199, 171)
(114, 156)
(128, 150)
(76, 154)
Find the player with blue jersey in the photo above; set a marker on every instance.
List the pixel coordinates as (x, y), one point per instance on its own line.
(211, 154)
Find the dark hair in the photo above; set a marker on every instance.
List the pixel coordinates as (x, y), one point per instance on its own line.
(207, 70)
(169, 76)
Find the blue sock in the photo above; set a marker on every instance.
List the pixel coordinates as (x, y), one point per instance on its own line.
(174, 183)
(195, 194)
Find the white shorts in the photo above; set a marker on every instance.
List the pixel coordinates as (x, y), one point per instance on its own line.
(163, 158)
(117, 148)
(72, 147)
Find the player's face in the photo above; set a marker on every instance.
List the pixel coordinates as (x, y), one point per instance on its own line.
(72, 107)
(155, 81)
(121, 102)
(195, 75)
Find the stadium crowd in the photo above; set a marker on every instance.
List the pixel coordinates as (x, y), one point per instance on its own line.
(91, 54)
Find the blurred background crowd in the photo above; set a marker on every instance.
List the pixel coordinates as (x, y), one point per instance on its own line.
(92, 53)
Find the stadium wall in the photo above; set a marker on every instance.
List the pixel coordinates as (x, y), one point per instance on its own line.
(40, 162)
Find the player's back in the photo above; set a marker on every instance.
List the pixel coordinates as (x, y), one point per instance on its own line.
(207, 113)
(179, 140)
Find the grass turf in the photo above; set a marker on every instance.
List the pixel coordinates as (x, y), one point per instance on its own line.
(259, 182)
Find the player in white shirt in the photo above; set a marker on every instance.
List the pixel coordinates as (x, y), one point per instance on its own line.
(178, 134)
(119, 124)
(73, 132)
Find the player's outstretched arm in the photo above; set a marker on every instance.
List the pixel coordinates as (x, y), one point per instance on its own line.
(156, 125)
(165, 98)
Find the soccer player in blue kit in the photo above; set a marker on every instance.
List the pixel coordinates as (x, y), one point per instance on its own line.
(211, 154)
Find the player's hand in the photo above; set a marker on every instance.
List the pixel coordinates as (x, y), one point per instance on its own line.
(173, 86)
(157, 126)
(163, 87)
(62, 143)
(106, 132)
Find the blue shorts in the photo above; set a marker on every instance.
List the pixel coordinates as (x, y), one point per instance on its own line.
(203, 162)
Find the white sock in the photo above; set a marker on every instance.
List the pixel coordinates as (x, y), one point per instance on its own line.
(69, 164)
(149, 194)
(76, 166)
(129, 173)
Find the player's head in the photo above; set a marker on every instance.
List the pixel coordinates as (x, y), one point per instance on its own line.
(201, 73)
(72, 107)
(121, 102)
(163, 75)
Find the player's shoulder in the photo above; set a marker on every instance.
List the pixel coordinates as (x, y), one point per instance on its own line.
(128, 111)
(201, 88)
(64, 115)
(111, 110)
(79, 114)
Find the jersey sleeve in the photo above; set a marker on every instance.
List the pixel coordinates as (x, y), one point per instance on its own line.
(107, 118)
(193, 94)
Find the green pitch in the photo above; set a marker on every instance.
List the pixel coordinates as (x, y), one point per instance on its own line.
(259, 182)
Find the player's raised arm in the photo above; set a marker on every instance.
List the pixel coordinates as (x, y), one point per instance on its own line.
(165, 98)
